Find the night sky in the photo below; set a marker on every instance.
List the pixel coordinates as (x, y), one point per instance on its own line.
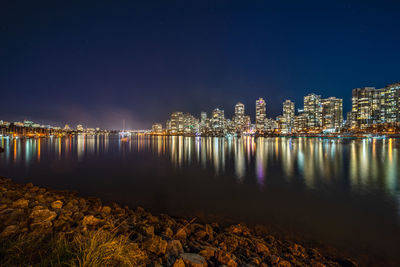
(99, 63)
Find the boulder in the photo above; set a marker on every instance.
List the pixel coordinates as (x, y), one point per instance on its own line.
(262, 249)
(179, 263)
(156, 245)
(8, 231)
(106, 210)
(57, 204)
(208, 252)
(193, 260)
(181, 234)
(90, 220)
(42, 215)
(20, 203)
(174, 247)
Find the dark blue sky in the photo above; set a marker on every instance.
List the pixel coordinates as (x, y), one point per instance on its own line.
(99, 63)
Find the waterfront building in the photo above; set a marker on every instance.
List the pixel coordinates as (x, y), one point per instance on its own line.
(66, 128)
(313, 111)
(79, 128)
(391, 103)
(300, 123)
(218, 122)
(238, 118)
(288, 117)
(247, 124)
(270, 125)
(332, 114)
(260, 115)
(157, 128)
(177, 123)
(190, 124)
(28, 123)
(367, 108)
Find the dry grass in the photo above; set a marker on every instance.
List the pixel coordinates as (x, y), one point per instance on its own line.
(94, 248)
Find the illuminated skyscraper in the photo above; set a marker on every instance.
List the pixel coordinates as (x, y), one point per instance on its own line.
(367, 106)
(391, 110)
(260, 114)
(218, 121)
(190, 124)
(332, 114)
(288, 116)
(176, 123)
(313, 111)
(238, 119)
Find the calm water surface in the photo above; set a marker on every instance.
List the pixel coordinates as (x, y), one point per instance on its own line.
(343, 192)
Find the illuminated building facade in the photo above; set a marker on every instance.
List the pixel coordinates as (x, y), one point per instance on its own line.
(287, 117)
(79, 128)
(157, 128)
(260, 115)
(313, 111)
(218, 122)
(238, 119)
(190, 124)
(176, 123)
(332, 114)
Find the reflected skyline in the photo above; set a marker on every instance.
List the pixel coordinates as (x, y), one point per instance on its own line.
(372, 164)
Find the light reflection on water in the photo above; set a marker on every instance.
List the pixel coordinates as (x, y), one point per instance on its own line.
(367, 163)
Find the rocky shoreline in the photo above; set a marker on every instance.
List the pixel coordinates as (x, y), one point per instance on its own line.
(40, 226)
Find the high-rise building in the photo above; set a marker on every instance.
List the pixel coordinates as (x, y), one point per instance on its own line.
(218, 121)
(190, 124)
(79, 128)
(367, 106)
(391, 103)
(203, 123)
(247, 124)
(177, 123)
(332, 114)
(67, 128)
(270, 125)
(157, 128)
(260, 114)
(238, 119)
(313, 111)
(288, 116)
(300, 123)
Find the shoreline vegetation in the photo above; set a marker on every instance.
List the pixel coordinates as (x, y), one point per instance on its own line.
(45, 227)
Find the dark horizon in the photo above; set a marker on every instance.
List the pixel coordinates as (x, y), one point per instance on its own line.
(98, 63)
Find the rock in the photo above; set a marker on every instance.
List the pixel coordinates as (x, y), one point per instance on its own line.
(21, 203)
(174, 247)
(181, 234)
(34, 189)
(262, 249)
(225, 258)
(3, 206)
(168, 232)
(273, 259)
(156, 245)
(208, 252)
(147, 230)
(42, 215)
(106, 210)
(179, 263)
(90, 220)
(57, 204)
(284, 263)
(193, 260)
(9, 230)
(201, 234)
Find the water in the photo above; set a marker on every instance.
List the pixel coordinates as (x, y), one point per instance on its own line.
(341, 192)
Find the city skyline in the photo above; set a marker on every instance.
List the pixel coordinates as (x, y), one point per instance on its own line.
(142, 61)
